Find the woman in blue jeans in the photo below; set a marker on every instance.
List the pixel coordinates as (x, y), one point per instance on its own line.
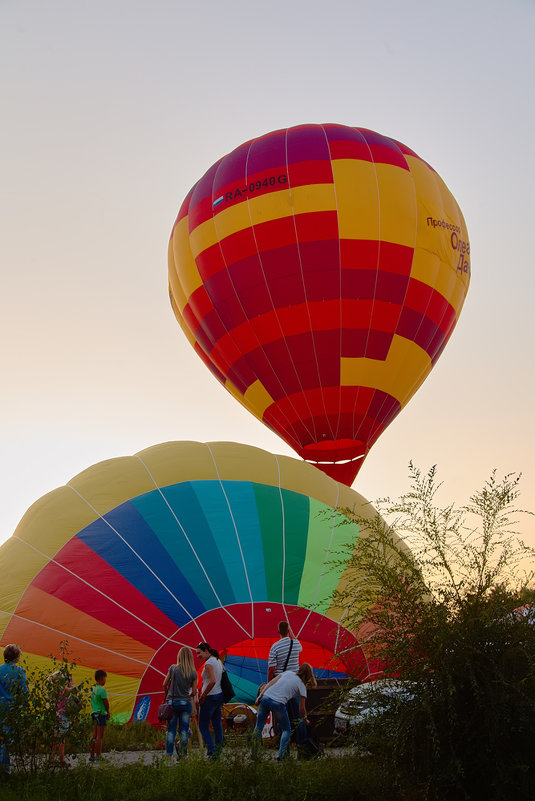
(211, 700)
(274, 697)
(180, 687)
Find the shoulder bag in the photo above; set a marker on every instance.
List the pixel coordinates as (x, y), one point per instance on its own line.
(226, 687)
(262, 687)
(166, 710)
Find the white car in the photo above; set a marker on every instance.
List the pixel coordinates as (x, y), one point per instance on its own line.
(370, 699)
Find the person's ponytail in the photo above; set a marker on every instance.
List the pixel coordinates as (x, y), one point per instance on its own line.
(204, 646)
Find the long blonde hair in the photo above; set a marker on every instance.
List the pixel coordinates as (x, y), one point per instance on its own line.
(306, 675)
(185, 662)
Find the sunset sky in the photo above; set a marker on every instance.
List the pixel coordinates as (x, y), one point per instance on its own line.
(110, 113)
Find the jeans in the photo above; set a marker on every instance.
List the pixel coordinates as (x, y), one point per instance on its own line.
(297, 723)
(280, 715)
(210, 712)
(180, 719)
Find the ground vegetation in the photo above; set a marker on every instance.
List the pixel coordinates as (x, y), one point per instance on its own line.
(433, 590)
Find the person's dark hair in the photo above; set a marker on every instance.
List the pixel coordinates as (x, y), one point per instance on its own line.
(100, 674)
(283, 628)
(11, 653)
(203, 646)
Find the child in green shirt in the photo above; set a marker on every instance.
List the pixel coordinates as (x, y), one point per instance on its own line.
(100, 713)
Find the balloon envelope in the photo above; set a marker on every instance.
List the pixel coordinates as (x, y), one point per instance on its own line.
(178, 544)
(319, 271)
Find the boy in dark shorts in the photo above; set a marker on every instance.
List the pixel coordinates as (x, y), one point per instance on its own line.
(100, 713)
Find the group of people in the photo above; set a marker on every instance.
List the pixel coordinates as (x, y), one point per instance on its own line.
(181, 691)
(284, 696)
(13, 682)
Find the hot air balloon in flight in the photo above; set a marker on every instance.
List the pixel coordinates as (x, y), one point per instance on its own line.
(181, 543)
(319, 271)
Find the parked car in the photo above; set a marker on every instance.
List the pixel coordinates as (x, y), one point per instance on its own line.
(370, 699)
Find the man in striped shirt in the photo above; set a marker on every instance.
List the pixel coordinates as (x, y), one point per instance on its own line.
(278, 655)
(279, 652)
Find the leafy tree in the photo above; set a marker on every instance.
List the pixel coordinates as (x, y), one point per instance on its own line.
(435, 591)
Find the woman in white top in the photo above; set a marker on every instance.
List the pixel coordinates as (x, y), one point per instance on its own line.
(210, 700)
(274, 697)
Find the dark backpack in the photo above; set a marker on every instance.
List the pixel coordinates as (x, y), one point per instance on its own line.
(226, 687)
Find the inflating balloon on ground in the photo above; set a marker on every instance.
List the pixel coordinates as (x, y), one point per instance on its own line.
(182, 543)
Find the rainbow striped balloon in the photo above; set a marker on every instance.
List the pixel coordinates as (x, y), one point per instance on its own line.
(319, 271)
(179, 544)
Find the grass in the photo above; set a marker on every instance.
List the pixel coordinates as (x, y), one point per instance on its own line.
(344, 777)
(235, 776)
(136, 736)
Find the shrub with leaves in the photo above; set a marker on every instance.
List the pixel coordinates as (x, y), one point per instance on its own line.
(435, 589)
(52, 711)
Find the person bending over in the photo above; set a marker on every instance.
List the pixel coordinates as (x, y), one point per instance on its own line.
(274, 698)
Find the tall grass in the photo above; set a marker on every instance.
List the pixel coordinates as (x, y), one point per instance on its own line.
(137, 736)
(233, 777)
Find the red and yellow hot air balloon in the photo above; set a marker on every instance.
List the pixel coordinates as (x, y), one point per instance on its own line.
(319, 272)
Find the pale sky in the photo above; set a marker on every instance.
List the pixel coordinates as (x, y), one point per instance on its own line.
(112, 110)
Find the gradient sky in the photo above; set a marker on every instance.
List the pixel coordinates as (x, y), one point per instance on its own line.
(112, 110)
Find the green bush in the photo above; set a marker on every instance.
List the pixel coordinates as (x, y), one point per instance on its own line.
(442, 618)
(31, 723)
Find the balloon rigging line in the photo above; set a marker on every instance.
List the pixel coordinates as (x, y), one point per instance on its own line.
(379, 240)
(260, 344)
(283, 534)
(239, 544)
(80, 639)
(160, 491)
(306, 298)
(342, 616)
(281, 328)
(143, 562)
(231, 280)
(372, 160)
(414, 386)
(157, 651)
(402, 304)
(336, 433)
(207, 350)
(325, 558)
(93, 587)
(326, 554)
